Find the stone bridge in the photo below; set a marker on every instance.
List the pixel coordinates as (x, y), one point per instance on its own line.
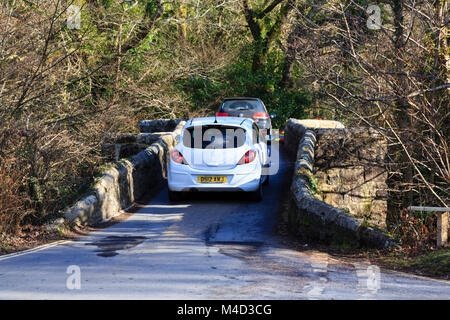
(341, 171)
(330, 186)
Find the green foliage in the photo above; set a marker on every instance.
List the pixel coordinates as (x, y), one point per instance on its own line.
(306, 222)
(151, 8)
(107, 3)
(310, 179)
(427, 262)
(200, 91)
(287, 104)
(238, 80)
(89, 86)
(342, 245)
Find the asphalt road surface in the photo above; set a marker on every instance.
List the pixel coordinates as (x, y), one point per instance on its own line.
(212, 246)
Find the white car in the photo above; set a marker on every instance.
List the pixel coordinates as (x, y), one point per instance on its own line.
(219, 154)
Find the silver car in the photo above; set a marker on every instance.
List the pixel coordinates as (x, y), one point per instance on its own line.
(252, 108)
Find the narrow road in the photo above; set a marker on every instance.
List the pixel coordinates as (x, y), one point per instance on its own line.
(213, 246)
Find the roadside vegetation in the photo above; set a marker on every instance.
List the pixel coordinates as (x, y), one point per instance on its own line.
(63, 89)
(419, 259)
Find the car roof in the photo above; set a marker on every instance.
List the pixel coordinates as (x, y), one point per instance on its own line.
(241, 98)
(234, 121)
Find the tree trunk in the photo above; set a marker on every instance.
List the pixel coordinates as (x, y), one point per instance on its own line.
(401, 115)
(263, 42)
(291, 49)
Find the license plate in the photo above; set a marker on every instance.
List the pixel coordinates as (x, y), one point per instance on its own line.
(211, 179)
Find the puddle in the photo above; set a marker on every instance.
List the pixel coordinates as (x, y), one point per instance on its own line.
(210, 232)
(238, 249)
(232, 248)
(109, 246)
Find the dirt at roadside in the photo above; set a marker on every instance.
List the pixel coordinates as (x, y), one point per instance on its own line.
(33, 236)
(433, 263)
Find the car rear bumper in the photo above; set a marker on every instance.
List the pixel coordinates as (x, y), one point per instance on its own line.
(240, 178)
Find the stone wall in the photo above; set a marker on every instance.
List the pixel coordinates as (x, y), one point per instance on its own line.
(351, 173)
(125, 181)
(297, 127)
(125, 145)
(120, 146)
(310, 217)
(159, 125)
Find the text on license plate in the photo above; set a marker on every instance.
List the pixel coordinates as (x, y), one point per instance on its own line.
(211, 179)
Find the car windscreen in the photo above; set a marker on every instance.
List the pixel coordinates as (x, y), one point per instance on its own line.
(241, 105)
(214, 137)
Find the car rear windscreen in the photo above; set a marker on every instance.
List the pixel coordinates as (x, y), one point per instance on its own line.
(241, 105)
(214, 137)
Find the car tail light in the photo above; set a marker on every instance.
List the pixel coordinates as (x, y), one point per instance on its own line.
(178, 157)
(248, 157)
(221, 114)
(260, 115)
(264, 131)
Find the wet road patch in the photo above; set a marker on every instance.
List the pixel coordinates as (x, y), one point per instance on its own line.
(238, 249)
(109, 246)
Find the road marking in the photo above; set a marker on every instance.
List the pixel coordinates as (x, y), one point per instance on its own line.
(39, 248)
